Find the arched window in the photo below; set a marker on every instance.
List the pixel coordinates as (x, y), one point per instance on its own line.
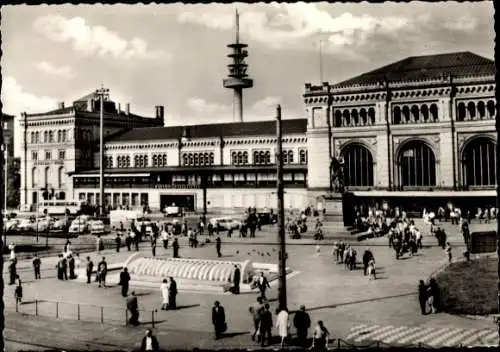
(490, 106)
(434, 113)
(196, 160)
(206, 158)
(481, 110)
(234, 158)
(461, 112)
(415, 114)
(155, 161)
(371, 116)
(256, 157)
(354, 117)
(45, 136)
(338, 118)
(212, 159)
(37, 139)
(60, 177)
(363, 117)
(51, 137)
(303, 157)
(119, 162)
(406, 114)
(245, 158)
(346, 118)
(471, 109)
(290, 156)
(424, 111)
(268, 157)
(46, 175)
(164, 157)
(191, 159)
(34, 177)
(64, 135)
(417, 165)
(185, 159)
(127, 161)
(137, 161)
(396, 118)
(358, 170)
(239, 158)
(285, 157)
(59, 135)
(479, 162)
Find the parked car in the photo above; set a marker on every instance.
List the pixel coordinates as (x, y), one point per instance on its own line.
(11, 224)
(26, 225)
(172, 211)
(96, 227)
(78, 226)
(43, 224)
(225, 223)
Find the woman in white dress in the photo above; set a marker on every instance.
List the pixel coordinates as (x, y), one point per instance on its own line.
(164, 293)
(282, 325)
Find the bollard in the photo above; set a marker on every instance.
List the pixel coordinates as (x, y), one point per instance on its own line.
(78, 306)
(36, 307)
(153, 318)
(57, 309)
(102, 315)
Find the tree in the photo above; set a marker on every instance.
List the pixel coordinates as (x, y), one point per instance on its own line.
(13, 183)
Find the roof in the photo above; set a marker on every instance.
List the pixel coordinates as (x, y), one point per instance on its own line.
(232, 129)
(87, 97)
(188, 169)
(458, 64)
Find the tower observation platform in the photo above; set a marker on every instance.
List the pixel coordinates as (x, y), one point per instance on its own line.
(237, 79)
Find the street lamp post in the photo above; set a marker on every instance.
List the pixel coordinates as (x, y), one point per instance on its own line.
(103, 94)
(281, 213)
(497, 124)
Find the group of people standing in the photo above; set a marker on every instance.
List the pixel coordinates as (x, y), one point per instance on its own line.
(429, 297)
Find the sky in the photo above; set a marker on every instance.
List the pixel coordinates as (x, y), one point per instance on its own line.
(175, 55)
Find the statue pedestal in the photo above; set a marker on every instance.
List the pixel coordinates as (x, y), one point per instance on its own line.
(334, 209)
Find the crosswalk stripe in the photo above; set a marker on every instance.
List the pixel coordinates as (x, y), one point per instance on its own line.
(414, 336)
(492, 336)
(359, 332)
(456, 340)
(401, 334)
(391, 332)
(430, 336)
(475, 337)
(441, 338)
(373, 333)
(358, 327)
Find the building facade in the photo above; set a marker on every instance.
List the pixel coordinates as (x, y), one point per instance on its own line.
(64, 140)
(420, 127)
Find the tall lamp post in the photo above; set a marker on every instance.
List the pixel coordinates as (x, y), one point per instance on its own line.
(281, 213)
(497, 124)
(103, 94)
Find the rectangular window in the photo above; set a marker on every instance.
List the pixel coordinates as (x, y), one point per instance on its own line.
(47, 155)
(61, 155)
(34, 155)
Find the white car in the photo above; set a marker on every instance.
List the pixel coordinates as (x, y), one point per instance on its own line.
(96, 227)
(225, 223)
(78, 226)
(59, 224)
(172, 211)
(11, 225)
(26, 225)
(43, 224)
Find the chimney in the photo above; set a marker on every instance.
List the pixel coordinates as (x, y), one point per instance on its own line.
(160, 113)
(119, 108)
(60, 105)
(127, 108)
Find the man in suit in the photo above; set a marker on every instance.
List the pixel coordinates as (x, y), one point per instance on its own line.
(218, 246)
(102, 269)
(263, 285)
(172, 294)
(149, 342)
(218, 319)
(266, 325)
(367, 256)
(37, 263)
(133, 307)
(256, 310)
(124, 281)
(236, 280)
(90, 268)
(302, 323)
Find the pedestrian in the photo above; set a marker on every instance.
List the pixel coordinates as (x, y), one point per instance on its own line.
(102, 270)
(320, 337)
(448, 251)
(153, 245)
(172, 293)
(149, 342)
(118, 242)
(236, 280)
(124, 281)
(128, 241)
(64, 267)
(434, 296)
(164, 288)
(218, 245)
(100, 244)
(164, 237)
(37, 263)
(371, 270)
(18, 293)
(90, 268)
(422, 296)
(263, 285)
(367, 256)
(175, 248)
(256, 311)
(12, 249)
(71, 265)
(133, 308)
(302, 323)
(266, 324)
(218, 319)
(282, 325)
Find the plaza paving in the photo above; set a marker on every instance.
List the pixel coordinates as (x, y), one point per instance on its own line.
(344, 300)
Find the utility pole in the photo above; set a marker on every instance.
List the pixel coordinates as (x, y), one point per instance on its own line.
(103, 93)
(497, 124)
(281, 213)
(25, 117)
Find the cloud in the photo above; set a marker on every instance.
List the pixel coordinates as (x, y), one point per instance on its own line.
(201, 106)
(15, 100)
(94, 40)
(303, 25)
(48, 68)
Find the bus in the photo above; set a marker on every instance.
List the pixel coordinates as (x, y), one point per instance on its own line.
(58, 207)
